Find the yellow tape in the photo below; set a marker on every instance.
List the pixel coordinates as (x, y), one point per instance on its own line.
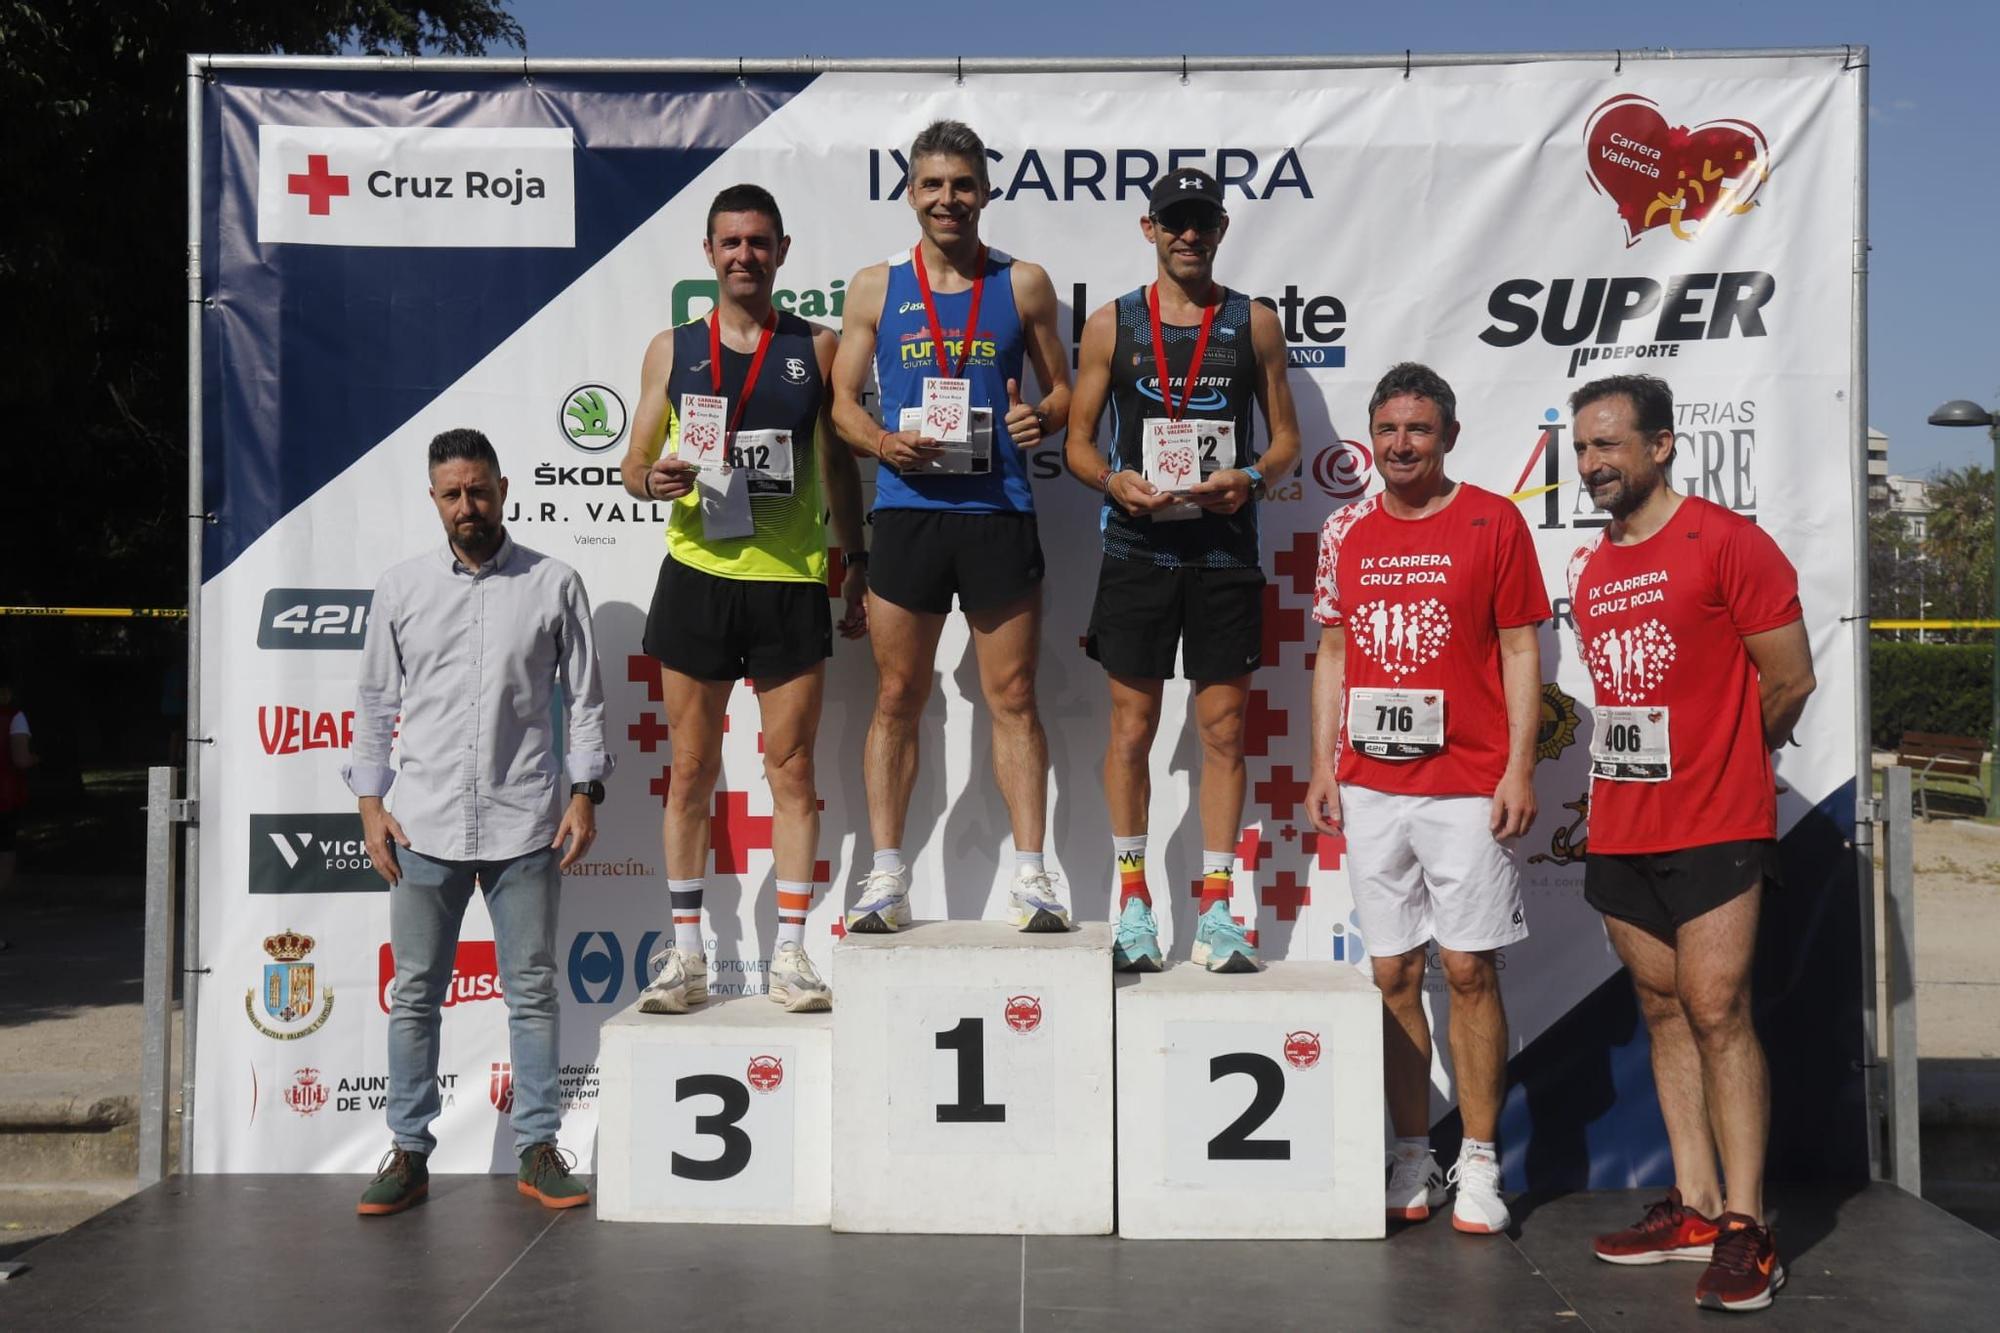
(1933, 624)
(100, 612)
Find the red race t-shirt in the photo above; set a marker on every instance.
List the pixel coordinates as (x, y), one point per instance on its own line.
(1660, 623)
(1424, 601)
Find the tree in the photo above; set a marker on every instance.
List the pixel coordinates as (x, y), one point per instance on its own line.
(1958, 539)
(1895, 590)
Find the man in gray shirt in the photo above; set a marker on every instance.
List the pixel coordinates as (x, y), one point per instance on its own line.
(468, 643)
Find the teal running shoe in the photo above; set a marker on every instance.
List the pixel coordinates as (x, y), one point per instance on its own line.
(1136, 946)
(1220, 944)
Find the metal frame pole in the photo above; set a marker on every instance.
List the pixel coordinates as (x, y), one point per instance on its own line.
(1900, 921)
(197, 525)
(156, 1043)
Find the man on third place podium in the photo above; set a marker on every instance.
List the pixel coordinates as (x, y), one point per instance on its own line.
(1180, 361)
(1426, 699)
(732, 428)
(1687, 616)
(948, 325)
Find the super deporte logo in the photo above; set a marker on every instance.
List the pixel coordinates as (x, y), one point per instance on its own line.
(1590, 316)
(1064, 174)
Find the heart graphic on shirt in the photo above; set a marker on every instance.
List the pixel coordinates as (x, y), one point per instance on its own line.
(1673, 176)
(1399, 637)
(1629, 664)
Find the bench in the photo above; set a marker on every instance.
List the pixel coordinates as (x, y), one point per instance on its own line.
(1957, 759)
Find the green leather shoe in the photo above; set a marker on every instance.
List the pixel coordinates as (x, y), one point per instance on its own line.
(545, 1176)
(401, 1181)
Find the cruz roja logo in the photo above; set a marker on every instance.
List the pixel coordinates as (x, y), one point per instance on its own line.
(593, 417)
(290, 999)
(1589, 316)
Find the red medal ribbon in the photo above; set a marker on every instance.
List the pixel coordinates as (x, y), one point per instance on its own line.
(930, 313)
(1160, 354)
(749, 381)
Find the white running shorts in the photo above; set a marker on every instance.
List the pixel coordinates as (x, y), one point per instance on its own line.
(1425, 868)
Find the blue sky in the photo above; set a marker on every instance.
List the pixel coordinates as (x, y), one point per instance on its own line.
(1934, 294)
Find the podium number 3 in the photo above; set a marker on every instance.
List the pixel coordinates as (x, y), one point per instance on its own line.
(1234, 1143)
(721, 1124)
(971, 1108)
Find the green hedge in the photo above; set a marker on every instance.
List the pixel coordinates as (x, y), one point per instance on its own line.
(1945, 687)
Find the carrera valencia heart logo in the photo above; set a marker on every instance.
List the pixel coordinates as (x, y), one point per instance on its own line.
(1671, 176)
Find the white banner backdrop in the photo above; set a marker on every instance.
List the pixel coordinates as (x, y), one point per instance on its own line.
(1521, 227)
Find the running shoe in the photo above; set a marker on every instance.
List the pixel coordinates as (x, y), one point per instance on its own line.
(1416, 1185)
(884, 904)
(1478, 1208)
(1038, 908)
(1744, 1272)
(794, 982)
(682, 981)
(1220, 945)
(1136, 945)
(1669, 1230)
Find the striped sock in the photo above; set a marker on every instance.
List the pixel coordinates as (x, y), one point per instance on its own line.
(1218, 878)
(686, 897)
(794, 900)
(1129, 856)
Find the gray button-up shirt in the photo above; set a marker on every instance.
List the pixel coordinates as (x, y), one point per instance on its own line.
(471, 660)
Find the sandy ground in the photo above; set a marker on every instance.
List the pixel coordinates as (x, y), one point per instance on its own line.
(1957, 866)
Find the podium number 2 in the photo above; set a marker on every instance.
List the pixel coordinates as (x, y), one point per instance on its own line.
(969, 1040)
(1234, 1143)
(721, 1124)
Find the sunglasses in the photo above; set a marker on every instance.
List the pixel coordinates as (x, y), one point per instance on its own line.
(1178, 218)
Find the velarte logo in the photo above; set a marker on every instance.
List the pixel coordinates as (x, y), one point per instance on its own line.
(382, 186)
(286, 730)
(314, 853)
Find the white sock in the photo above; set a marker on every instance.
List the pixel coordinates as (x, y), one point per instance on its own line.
(1479, 1145)
(1412, 1147)
(889, 860)
(1027, 862)
(794, 901)
(1211, 862)
(686, 894)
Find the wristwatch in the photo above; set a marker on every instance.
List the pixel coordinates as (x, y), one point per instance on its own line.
(594, 790)
(1256, 482)
(849, 559)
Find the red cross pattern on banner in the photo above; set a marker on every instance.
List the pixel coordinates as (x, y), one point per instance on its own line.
(1286, 894)
(733, 833)
(1329, 848)
(1262, 724)
(318, 184)
(1281, 793)
(1281, 626)
(643, 670)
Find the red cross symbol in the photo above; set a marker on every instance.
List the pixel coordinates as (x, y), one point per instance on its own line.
(1328, 847)
(643, 670)
(1288, 833)
(1261, 722)
(1250, 849)
(1300, 562)
(1281, 626)
(733, 832)
(1286, 894)
(1282, 793)
(662, 784)
(317, 184)
(647, 733)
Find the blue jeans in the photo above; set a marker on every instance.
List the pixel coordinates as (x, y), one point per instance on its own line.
(425, 908)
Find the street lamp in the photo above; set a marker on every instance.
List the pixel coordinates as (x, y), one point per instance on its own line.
(1963, 412)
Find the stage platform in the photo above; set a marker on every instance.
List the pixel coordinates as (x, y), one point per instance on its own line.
(230, 1252)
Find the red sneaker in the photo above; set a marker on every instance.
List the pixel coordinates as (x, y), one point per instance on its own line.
(1669, 1230)
(1744, 1273)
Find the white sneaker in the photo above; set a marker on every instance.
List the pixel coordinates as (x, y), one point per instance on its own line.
(683, 980)
(794, 982)
(883, 905)
(1416, 1185)
(1479, 1208)
(1038, 908)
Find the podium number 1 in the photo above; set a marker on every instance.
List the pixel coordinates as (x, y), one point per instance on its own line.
(1234, 1143)
(969, 1040)
(721, 1124)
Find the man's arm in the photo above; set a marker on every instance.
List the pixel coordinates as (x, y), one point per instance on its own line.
(378, 698)
(840, 476)
(647, 475)
(584, 756)
(1035, 301)
(1514, 807)
(1329, 675)
(1086, 462)
(1229, 490)
(1783, 658)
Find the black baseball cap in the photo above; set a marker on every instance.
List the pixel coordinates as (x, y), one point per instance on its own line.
(1184, 186)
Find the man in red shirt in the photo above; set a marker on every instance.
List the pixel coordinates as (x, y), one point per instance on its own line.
(1688, 618)
(1426, 699)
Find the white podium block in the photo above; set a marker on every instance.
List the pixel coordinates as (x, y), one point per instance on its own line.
(716, 1115)
(972, 1072)
(1250, 1105)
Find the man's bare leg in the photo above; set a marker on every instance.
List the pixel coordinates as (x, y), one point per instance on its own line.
(1006, 641)
(695, 710)
(1128, 767)
(1713, 953)
(1677, 1075)
(1218, 711)
(790, 710)
(1406, 1043)
(1478, 1040)
(905, 655)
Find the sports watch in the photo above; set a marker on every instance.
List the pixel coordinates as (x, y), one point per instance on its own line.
(594, 790)
(1256, 482)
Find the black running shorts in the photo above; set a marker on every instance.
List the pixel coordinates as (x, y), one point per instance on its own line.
(1663, 891)
(1145, 611)
(921, 558)
(714, 628)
